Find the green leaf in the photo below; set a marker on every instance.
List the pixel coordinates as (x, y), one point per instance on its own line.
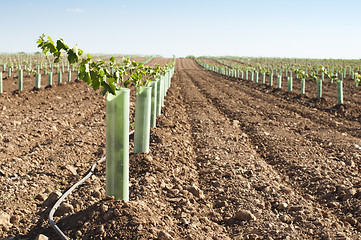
(86, 77)
(41, 40)
(108, 88)
(72, 57)
(95, 80)
(101, 72)
(111, 80)
(50, 41)
(126, 83)
(61, 45)
(82, 67)
(134, 63)
(49, 46)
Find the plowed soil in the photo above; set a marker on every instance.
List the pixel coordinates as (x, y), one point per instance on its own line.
(229, 159)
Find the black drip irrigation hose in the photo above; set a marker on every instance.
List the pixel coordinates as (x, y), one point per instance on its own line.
(57, 204)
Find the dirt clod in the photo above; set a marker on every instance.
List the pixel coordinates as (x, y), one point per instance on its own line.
(52, 198)
(164, 236)
(64, 208)
(41, 237)
(245, 215)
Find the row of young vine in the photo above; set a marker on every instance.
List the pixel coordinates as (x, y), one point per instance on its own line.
(115, 80)
(318, 73)
(20, 66)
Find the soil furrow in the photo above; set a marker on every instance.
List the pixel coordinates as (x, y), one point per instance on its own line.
(56, 138)
(54, 114)
(268, 136)
(216, 146)
(318, 116)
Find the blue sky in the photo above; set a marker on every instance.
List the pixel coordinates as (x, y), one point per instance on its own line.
(278, 28)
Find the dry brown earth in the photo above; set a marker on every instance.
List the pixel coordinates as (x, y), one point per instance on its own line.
(229, 159)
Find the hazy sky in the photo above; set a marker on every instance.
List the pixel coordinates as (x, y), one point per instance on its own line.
(279, 28)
